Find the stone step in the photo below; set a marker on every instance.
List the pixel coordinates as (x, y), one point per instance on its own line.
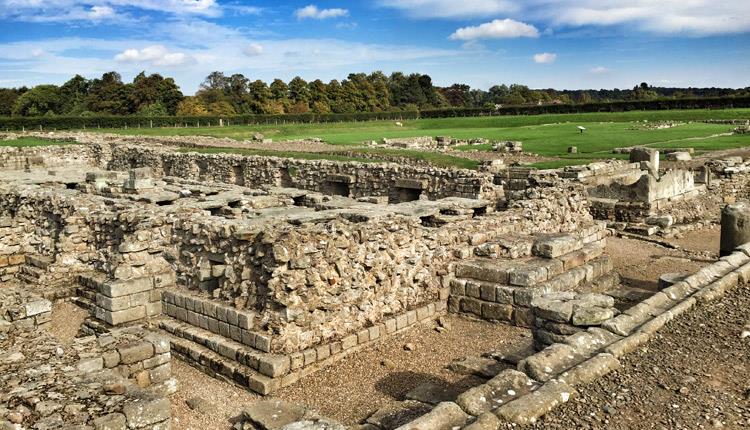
(39, 261)
(524, 272)
(32, 271)
(271, 365)
(220, 367)
(27, 279)
(642, 229)
(217, 317)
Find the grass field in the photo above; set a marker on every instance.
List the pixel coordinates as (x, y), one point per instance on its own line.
(25, 142)
(546, 135)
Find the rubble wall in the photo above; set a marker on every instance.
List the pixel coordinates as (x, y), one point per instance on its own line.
(351, 179)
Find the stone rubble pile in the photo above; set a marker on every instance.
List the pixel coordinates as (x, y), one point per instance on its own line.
(47, 385)
(508, 146)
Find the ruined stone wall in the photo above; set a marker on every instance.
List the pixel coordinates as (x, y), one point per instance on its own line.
(351, 179)
(13, 247)
(46, 156)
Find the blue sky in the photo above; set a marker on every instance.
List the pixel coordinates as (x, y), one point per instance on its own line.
(541, 43)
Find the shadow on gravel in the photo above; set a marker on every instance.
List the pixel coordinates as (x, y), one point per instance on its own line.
(398, 384)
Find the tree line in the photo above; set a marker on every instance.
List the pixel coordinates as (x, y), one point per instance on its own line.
(221, 95)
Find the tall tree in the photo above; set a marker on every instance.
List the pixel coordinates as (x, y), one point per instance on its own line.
(40, 100)
(109, 95)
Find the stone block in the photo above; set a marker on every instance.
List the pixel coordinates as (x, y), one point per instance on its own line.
(497, 311)
(274, 365)
(528, 409)
(549, 362)
(590, 370)
(445, 416)
(135, 352)
(142, 413)
(121, 288)
(110, 422)
(124, 316)
(553, 246)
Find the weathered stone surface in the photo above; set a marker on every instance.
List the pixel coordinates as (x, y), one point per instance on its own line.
(506, 386)
(144, 413)
(485, 367)
(273, 414)
(445, 416)
(590, 370)
(528, 409)
(551, 361)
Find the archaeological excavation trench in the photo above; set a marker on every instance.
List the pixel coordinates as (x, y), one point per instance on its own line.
(225, 290)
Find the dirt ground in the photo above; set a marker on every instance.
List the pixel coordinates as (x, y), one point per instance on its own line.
(693, 375)
(353, 388)
(66, 321)
(641, 263)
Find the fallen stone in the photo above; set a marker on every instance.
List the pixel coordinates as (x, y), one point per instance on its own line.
(527, 409)
(273, 414)
(445, 416)
(479, 366)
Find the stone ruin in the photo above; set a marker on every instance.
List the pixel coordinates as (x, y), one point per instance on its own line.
(444, 143)
(261, 271)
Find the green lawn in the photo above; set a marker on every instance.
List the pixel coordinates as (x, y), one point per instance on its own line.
(546, 135)
(24, 142)
(353, 133)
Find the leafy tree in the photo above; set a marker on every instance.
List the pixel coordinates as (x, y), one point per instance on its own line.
(191, 106)
(154, 109)
(150, 90)
(298, 91)
(458, 95)
(259, 97)
(221, 108)
(8, 97)
(39, 101)
(109, 95)
(74, 94)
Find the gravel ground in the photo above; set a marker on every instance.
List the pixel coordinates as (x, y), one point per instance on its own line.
(66, 321)
(675, 382)
(641, 263)
(351, 389)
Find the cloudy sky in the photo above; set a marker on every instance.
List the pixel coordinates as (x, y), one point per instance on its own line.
(541, 43)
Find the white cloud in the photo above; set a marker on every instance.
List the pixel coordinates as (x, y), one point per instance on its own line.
(101, 12)
(212, 48)
(545, 58)
(156, 55)
(313, 12)
(253, 50)
(690, 17)
(110, 10)
(599, 70)
(36, 53)
(497, 29)
(450, 8)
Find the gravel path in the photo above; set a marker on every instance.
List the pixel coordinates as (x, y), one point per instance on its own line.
(351, 389)
(641, 263)
(693, 374)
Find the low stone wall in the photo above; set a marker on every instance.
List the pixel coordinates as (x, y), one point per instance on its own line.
(13, 247)
(141, 356)
(22, 308)
(351, 179)
(45, 156)
(504, 289)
